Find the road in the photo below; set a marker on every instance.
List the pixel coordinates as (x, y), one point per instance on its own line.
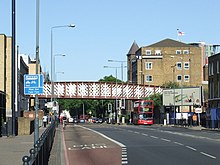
(136, 145)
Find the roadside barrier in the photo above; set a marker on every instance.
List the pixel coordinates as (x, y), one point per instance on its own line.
(39, 155)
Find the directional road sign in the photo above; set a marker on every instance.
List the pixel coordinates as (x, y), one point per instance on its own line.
(33, 84)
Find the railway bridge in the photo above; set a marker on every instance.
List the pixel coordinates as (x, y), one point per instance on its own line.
(99, 90)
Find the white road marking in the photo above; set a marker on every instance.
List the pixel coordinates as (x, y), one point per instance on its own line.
(144, 134)
(191, 148)
(124, 162)
(179, 143)
(114, 141)
(213, 157)
(167, 140)
(155, 137)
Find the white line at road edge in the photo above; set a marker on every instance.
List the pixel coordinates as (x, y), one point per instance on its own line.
(114, 141)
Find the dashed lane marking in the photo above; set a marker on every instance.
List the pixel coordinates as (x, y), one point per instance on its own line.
(191, 148)
(213, 157)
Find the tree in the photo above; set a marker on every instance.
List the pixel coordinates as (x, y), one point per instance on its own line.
(109, 79)
(98, 108)
(171, 84)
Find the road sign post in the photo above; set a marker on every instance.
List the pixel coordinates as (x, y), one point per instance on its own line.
(33, 84)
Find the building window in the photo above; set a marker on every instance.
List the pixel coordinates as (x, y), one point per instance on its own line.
(212, 68)
(148, 52)
(218, 88)
(185, 51)
(178, 51)
(186, 65)
(186, 78)
(148, 65)
(149, 78)
(217, 66)
(179, 77)
(157, 52)
(179, 65)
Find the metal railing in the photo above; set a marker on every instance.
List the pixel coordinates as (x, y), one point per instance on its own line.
(39, 155)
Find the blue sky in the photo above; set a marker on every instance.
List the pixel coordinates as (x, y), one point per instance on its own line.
(105, 29)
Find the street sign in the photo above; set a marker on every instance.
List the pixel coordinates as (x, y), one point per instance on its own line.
(198, 110)
(33, 84)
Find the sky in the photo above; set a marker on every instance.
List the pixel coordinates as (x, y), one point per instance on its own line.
(105, 30)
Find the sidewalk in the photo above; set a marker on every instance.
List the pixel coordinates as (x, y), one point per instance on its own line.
(12, 149)
(57, 151)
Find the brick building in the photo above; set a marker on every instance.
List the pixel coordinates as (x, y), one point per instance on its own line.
(164, 61)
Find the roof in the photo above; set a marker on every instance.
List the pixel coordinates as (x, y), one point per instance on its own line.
(133, 48)
(170, 43)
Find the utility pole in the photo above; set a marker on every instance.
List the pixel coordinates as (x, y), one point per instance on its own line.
(13, 101)
(36, 121)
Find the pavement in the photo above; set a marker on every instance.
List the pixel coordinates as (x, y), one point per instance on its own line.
(12, 149)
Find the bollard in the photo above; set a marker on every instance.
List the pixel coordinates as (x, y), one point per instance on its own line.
(26, 160)
(32, 153)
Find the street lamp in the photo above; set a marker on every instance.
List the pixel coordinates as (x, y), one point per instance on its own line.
(52, 78)
(116, 97)
(121, 66)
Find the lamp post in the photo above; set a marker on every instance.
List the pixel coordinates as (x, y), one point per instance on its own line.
(182, 77)
(116, 97)
(121, 66)
(52, 78)
(174, 107)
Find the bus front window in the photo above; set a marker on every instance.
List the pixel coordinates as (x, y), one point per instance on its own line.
(145, 109)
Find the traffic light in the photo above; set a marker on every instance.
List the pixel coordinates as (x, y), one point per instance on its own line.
(123, 103)
(109, 107)
(118, 104)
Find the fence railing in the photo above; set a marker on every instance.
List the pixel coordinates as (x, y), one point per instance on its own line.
(39, 154)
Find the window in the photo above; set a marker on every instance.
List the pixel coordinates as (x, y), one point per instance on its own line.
(218, 88)
(185, 51)
(178, 51)
(186, 65)
(157, 52)
(149, 78)
(148, 52)
(179, 65)
(212, 68)
(148, 65)
(186, 78)
(217, 66)
(179, 77)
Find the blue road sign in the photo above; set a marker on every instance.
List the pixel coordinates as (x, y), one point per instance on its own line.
(33, 84)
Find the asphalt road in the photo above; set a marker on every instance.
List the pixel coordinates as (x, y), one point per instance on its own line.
(98, 144)
(163, 145)
(82, 146)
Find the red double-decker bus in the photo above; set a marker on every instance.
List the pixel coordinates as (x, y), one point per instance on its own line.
(143, 112)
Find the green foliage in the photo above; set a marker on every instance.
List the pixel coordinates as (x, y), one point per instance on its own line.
(171, 84)
(75, 106)
(109, 79)
(98, 108)
(157, 98)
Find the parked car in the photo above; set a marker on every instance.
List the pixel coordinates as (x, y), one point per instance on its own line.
(82, 120)
(99, 120)
(70, 120)
(94, 119)
(75, 120)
